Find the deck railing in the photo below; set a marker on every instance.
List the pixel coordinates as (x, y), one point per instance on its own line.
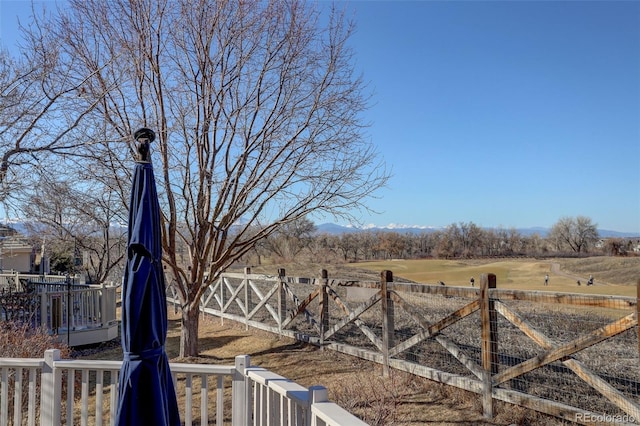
(12, 281)
(54, 391)
(78, 313)
(77, 308)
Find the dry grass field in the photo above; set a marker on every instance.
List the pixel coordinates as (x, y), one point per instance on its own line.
(612, 275)
(402, 399)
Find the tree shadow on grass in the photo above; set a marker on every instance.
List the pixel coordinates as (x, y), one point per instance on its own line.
(292, 347)
(204, 344)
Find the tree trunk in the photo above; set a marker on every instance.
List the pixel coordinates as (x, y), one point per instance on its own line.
(189, 330)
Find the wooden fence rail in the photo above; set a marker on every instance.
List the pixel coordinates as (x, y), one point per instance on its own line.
(493, 342)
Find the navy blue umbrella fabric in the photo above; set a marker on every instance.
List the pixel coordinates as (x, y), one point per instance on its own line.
(146, 392)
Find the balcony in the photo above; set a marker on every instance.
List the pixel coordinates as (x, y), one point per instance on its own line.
(54, 391)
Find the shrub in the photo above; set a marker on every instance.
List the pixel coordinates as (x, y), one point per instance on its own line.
(21, 340)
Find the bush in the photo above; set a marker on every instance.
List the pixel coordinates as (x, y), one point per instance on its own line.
(21, 340)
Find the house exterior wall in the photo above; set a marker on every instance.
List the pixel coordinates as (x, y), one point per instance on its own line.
(20, 262)
(16, 255)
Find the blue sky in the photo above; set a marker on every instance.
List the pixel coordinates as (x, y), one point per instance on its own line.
(502, 113)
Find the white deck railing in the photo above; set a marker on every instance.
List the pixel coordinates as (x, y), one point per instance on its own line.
(79, 314)
(54, 391)
(18, 281)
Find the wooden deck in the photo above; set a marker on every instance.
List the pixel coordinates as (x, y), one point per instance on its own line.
(78, 314)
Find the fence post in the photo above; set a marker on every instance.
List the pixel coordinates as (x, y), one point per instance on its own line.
(489, 319)
(241, 393)
(222, 300)
(638, 314)
(386, 284)
(247, 297)
(324, 306)
(44, 322)
(282, 299)
(50, 389)
(103, 305)
(316, 394)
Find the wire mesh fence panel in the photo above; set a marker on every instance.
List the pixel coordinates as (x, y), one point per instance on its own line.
(561, 353)
(441, 334)
(582, 356)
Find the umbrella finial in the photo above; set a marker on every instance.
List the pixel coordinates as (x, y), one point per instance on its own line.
(144, 137)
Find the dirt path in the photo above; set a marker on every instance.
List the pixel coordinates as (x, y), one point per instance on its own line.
(555, 269)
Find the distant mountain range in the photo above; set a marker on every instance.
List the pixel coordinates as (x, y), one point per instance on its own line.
(333, 229)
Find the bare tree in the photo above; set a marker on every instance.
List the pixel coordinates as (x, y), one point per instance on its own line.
(504, 242)
(290, 239)
(349, 244)
(615, 247)
(86, 222)
(469, 238)
(492, 242)
(258, 116)
(42, 110)
(462, 239)
(392, 244)
(322, 248)
(535, 245)
(575, 233)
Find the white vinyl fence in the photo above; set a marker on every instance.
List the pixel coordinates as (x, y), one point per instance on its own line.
(54, 391)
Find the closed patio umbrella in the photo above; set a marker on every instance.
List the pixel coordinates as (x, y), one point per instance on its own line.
(146, 392)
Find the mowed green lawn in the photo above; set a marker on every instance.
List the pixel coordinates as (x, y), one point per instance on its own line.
(518, 274)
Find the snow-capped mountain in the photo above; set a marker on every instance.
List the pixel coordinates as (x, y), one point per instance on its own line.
(332, 228)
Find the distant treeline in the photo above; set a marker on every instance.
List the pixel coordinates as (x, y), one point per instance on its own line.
(570, 237)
